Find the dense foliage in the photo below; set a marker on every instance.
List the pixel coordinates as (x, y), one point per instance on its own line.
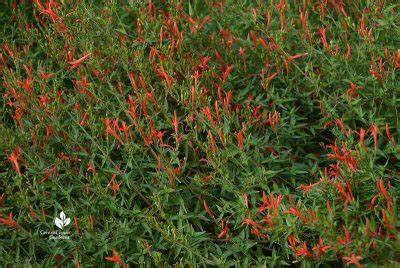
(200, 132)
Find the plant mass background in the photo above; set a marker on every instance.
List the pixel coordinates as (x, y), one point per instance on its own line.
(218, 133)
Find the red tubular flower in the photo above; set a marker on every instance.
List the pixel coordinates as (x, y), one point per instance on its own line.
(257, 232)
(193, 96)
(115, 258)
(363, 29)
(159, 163)
(362, 137)
(49, 130)
(254, 38)
(347, 196)
(10, 52)
(303, 18)
(34, 214)
(91, 168)
(246, 200)
(206, 179)
(131, 76)
(175, 123)
(336, 151)
(240, 139)
(271, 202)
(252, 223)
(212, 142)
(372, 202)
(219, 57)
(227, 72)
(217, 112)
(286, 63)
(351, 197)
(167, 78)
(352, 90)
(343, 155)
(397, 60)
(83, 121)
(273, 120)
(152, 98)
(347, 237)
(328, 206)
(269, 78)
(47, 173)
(322, 32)
(268, 19)
(9, 221)
(178, 170)
(208, 209)
(111, 130)
(306, 188)
(46, 76)
(207, 112)
(290, 58)
(348, 54)
(367, 231)
(125, 129)
(151, 11)
(275, 203)
(303, 251)
(293, 241)
(227, 100)
(353, 259)
(148, 247)
(145, 109)
(383, 191)
(77, 62)
(266, 204)
(298, 213)
(262, 42)
(114, 185)
(281, 7)
(339, 122)
(322, 7)
(132, 110)
(14, 160)
(388, 134)
(196, 77)
(268, 220)
(386, 220)
(225, 231)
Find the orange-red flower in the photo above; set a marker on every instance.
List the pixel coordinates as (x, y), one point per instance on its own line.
(114, 185)
(240, 139)
(77, 62)
(374, 131)
(208, 209)
(388, 134)
(225, 231)
(321, 248)
(9, 221)
(298, 213)
(14, 157)
(303, 251)
(353, 259)
(115, 258)
(306, 188)
(382, 189)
